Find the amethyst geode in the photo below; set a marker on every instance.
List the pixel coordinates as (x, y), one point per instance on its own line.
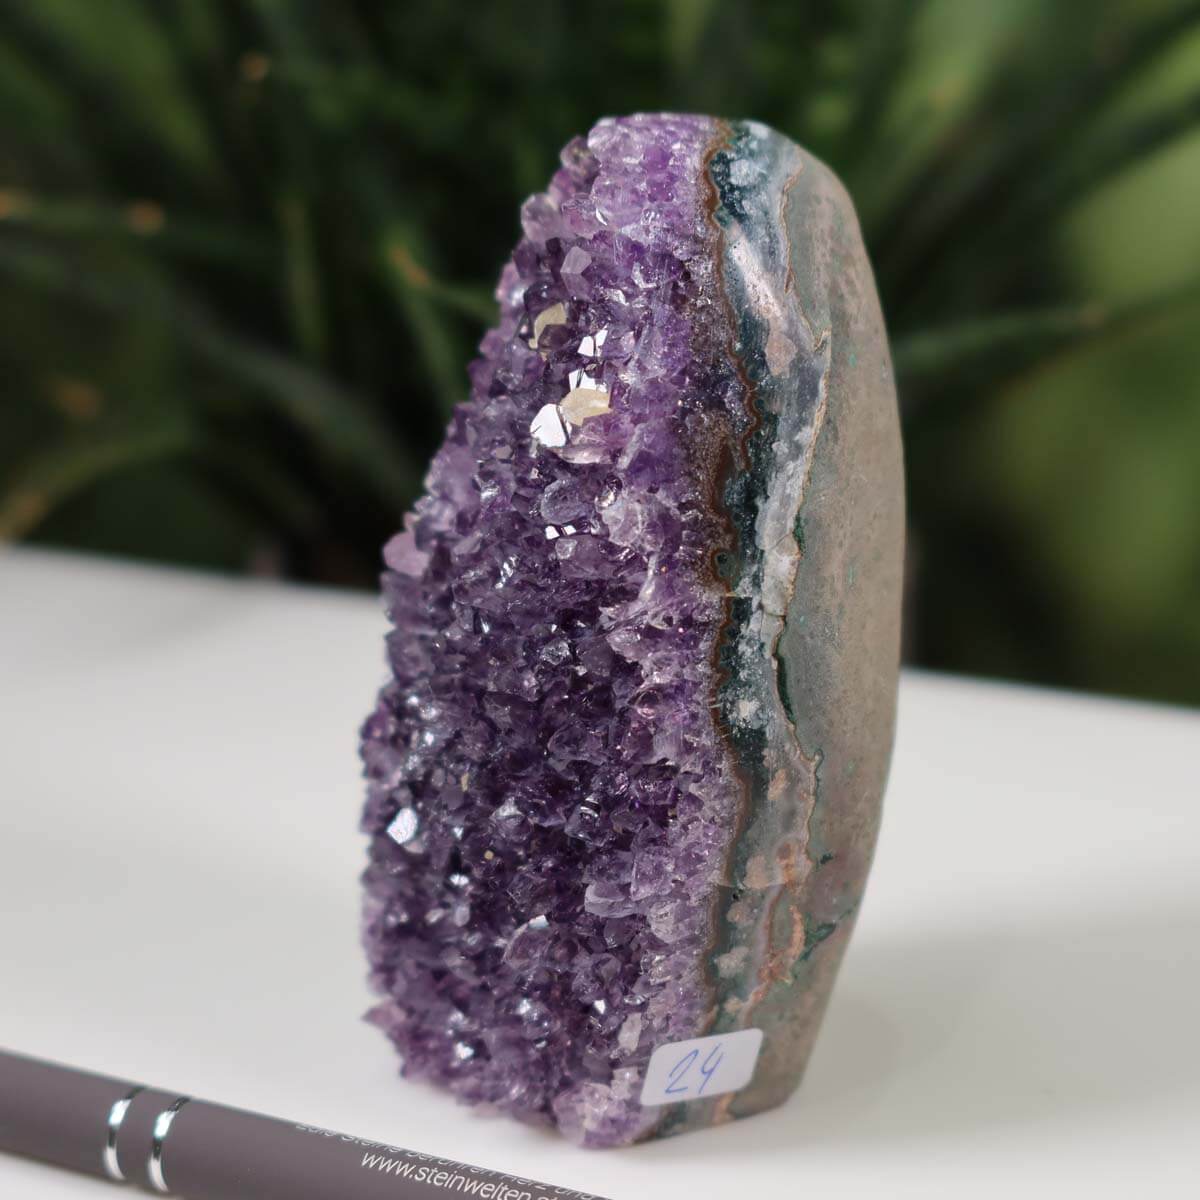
(624, 780)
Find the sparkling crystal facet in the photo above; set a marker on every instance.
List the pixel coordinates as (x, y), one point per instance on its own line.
(555, 612)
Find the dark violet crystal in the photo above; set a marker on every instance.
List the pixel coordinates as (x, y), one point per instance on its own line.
(553, 796)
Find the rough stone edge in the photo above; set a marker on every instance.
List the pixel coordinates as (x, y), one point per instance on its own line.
(819, 651)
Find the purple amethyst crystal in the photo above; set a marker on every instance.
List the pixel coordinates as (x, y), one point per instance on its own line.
(593, 772)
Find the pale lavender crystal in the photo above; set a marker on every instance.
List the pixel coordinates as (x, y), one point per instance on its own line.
(546, 756)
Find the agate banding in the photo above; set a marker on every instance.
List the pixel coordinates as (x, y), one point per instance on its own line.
(625, 775)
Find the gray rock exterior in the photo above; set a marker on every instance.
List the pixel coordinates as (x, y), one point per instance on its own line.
(811, 657)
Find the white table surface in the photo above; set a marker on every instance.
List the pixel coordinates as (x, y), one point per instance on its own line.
(1018, 1012)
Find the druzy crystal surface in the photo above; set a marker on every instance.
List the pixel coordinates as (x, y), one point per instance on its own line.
(563, 765)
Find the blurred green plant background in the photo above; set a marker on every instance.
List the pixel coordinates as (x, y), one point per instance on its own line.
(247, 248)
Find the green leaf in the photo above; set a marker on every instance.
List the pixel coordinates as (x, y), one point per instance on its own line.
(991, 148)
(1009, 343)
(109, 110)
(1113, 154)
(340, 424)
(302, 275)
(59, 474)
(686, 22)
(414, 291)
(885, 54)
(142, 225)
(251, 474)
(937, 352)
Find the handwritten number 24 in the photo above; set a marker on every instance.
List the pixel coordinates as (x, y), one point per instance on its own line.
(677, 1082)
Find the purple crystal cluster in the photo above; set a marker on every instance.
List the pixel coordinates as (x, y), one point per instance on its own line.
(550, 801)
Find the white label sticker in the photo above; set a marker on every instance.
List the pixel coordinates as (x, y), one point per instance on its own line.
(700, 1067)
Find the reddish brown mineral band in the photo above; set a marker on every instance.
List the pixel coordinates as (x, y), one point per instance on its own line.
(201, 1151)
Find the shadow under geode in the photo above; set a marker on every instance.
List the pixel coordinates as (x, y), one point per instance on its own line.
(1038, 1023)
